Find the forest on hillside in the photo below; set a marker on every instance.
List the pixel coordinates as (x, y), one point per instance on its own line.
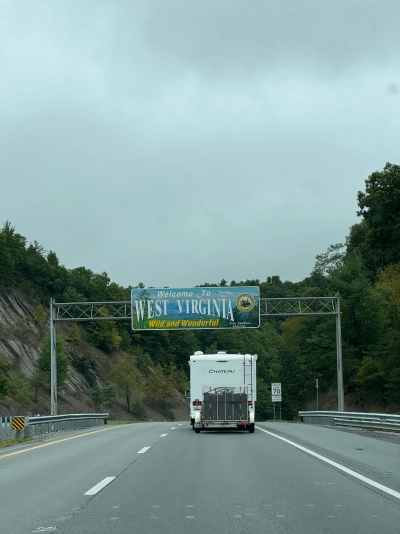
(364, 269)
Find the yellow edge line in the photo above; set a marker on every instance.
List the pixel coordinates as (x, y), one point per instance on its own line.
(58, 441)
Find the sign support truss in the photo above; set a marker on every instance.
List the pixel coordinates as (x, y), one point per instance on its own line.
(121, 311)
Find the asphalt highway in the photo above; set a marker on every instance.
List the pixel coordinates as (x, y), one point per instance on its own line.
(164, 478)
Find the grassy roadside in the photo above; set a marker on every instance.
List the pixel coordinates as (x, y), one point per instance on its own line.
(14, 441)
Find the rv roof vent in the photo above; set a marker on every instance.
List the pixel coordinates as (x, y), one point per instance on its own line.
(198, 352)
(220, 352)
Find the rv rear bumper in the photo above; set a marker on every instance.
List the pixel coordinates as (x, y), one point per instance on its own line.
(204, 424)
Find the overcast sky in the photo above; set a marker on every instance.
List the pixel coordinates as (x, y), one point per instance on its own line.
(177, 142)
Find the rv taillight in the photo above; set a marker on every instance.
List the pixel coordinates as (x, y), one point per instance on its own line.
(197, 402)
(250, 403)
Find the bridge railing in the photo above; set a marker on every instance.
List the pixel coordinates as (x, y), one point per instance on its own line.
(379, 421)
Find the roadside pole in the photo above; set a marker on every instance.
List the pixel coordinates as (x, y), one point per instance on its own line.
(340, 385)
(53, 361)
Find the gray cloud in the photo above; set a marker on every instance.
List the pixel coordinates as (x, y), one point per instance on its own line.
(177, 142)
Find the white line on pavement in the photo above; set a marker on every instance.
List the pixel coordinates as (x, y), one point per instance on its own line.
(369, 481)
(145, 449)
(99, 486)
(163, 435)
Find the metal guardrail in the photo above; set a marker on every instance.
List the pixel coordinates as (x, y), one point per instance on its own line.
(46, 424)
(379, 421)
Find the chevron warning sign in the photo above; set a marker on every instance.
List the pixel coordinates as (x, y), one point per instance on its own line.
(18, 423)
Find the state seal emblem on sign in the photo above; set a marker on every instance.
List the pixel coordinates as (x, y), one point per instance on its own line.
(245, 302)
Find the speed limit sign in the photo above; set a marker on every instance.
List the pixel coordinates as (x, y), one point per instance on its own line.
(276, 392)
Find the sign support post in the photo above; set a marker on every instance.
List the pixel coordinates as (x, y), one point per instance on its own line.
(53, 360)
(339, 356)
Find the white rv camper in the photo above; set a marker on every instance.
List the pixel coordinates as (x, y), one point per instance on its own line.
(222, 390)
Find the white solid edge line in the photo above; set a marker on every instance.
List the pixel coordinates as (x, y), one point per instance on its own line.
(145, 449)
(369, 481)
(99, 486)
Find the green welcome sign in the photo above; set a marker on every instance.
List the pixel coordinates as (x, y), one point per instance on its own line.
(194, 308)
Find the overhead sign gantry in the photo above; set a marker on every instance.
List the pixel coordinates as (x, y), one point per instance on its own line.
(263, 307)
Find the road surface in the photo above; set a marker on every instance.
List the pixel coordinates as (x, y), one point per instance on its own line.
(163, 478)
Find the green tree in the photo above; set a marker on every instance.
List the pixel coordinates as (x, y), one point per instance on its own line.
(126, 376)
(36, 268)
(379, 206)
(40, 315)
(177, 376)
(70, 294)
(21, 388)
(74, 335)
(12, 248)
(105, 395)
(359, 303)
(5, 379)
(105, 336)
(371, 378)
(43, 363)
(387, 349)
(87, 366)
(158, 387)
(331, 260)
(264, 409)
(7, 264)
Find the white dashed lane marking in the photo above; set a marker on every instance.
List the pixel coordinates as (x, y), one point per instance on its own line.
(99, 486)
(145, 449)
(163, 435)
